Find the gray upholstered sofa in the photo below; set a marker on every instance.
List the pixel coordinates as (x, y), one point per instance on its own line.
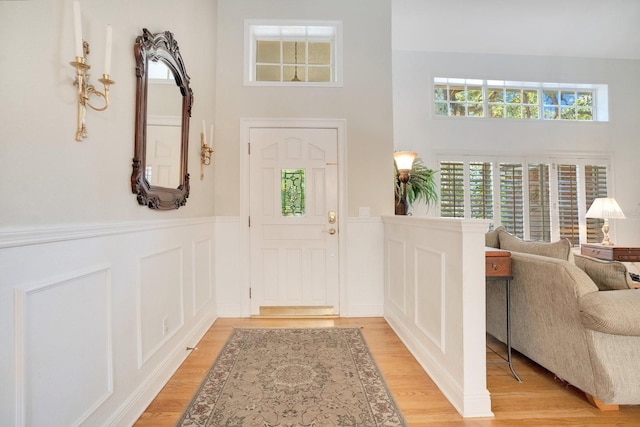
(564, 318)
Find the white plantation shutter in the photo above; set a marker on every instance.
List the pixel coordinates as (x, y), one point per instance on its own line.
(452, 189)
(568, 211)
(539, 202)
(527, 198)
(511, 198)
(595, 185)
(481, 190)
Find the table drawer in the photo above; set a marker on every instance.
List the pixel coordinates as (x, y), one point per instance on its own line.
(498, 266)
(611, 253)
(597, 252)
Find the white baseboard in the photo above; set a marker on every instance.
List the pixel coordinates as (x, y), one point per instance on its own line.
(132, 408)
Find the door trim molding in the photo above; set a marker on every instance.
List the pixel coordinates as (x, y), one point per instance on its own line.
(246, 124)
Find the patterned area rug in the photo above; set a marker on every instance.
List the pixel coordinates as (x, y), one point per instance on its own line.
(293, 377)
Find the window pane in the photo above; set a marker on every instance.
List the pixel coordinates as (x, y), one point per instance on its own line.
(268, 73)
(442, 109)
(495, 95)
(481, 190)
(595, 183)
(268, 52)
(539, 203)
(290, 73)
(457, 93)
(320, 53)
(292, 192)
(440, 93)
(475, 110)
(568, 203)
(511, 200)
(496, 110)
(293, 52)
(474, 93)
(452, 189)
(319, 74)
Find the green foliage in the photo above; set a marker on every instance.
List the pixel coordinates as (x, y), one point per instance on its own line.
(421, 186)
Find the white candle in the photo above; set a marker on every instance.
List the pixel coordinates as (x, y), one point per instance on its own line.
(211, 138)
(204, 133)
(78, 28)
(107, 53)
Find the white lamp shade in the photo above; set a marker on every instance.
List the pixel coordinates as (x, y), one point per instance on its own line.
(404, 159)
(605, 207)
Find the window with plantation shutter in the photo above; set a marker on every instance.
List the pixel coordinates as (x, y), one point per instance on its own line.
(511, 198)
(568, 218)
(452, 189)
(481, 190)
(539, 202)
(595, 185)
(543, 200)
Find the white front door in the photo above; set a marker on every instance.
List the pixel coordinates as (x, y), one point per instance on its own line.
(293, 212)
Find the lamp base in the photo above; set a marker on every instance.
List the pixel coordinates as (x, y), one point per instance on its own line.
(605, 231)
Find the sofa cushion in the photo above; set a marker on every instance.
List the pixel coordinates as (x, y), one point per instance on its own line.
(607, 275)
(612, 312)
(560, 249)
(491, 238)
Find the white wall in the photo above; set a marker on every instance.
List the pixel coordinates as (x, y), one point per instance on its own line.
(574, 41)
(46, 176)
(364, 101)
(416, 127)
(99, 296)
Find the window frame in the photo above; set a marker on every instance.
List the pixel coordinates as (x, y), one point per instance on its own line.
(250, 40)
(599, 108)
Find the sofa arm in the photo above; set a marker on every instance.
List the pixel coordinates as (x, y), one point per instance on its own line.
(612, 312)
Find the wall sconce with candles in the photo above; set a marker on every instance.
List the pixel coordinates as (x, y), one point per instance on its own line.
(86, 89)
(404, 163)
(205, 150)
(605, 208)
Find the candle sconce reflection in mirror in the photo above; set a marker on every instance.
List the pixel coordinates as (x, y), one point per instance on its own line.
(163, 108)
(205, 150)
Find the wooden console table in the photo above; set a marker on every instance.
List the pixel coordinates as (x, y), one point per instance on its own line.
(610, 253)
(498, 267)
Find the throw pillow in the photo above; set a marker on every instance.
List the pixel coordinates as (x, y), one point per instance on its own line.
(607, 275)
(560, 249)
(491, 239)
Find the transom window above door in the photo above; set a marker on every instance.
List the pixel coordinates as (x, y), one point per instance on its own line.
(292, 53)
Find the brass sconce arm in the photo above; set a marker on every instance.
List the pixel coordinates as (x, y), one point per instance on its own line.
(205, 155)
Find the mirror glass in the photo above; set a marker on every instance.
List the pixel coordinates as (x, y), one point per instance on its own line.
(164, 127)
(163, 108)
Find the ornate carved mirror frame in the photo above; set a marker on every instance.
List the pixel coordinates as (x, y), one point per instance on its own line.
(159, 47)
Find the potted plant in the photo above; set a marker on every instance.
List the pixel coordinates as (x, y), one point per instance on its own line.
(421, 186)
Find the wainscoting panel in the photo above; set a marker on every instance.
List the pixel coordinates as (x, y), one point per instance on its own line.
(160, 290)
(202, 273)
(65, 332)
(397, 274)
(363, 292)
(442, 324)
(231, 275)
(94, 319)
(430, 305)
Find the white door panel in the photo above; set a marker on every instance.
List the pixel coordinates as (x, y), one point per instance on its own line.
(294, 258)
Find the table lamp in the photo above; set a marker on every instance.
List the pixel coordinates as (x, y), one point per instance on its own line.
(605, 208)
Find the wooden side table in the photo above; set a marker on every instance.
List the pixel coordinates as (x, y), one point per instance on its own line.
(610, 253)
(498, 267)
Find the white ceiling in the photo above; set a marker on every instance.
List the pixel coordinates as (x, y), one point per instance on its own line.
(575, 28)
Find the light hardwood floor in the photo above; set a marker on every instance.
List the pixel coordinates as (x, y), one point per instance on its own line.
(540, 400)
